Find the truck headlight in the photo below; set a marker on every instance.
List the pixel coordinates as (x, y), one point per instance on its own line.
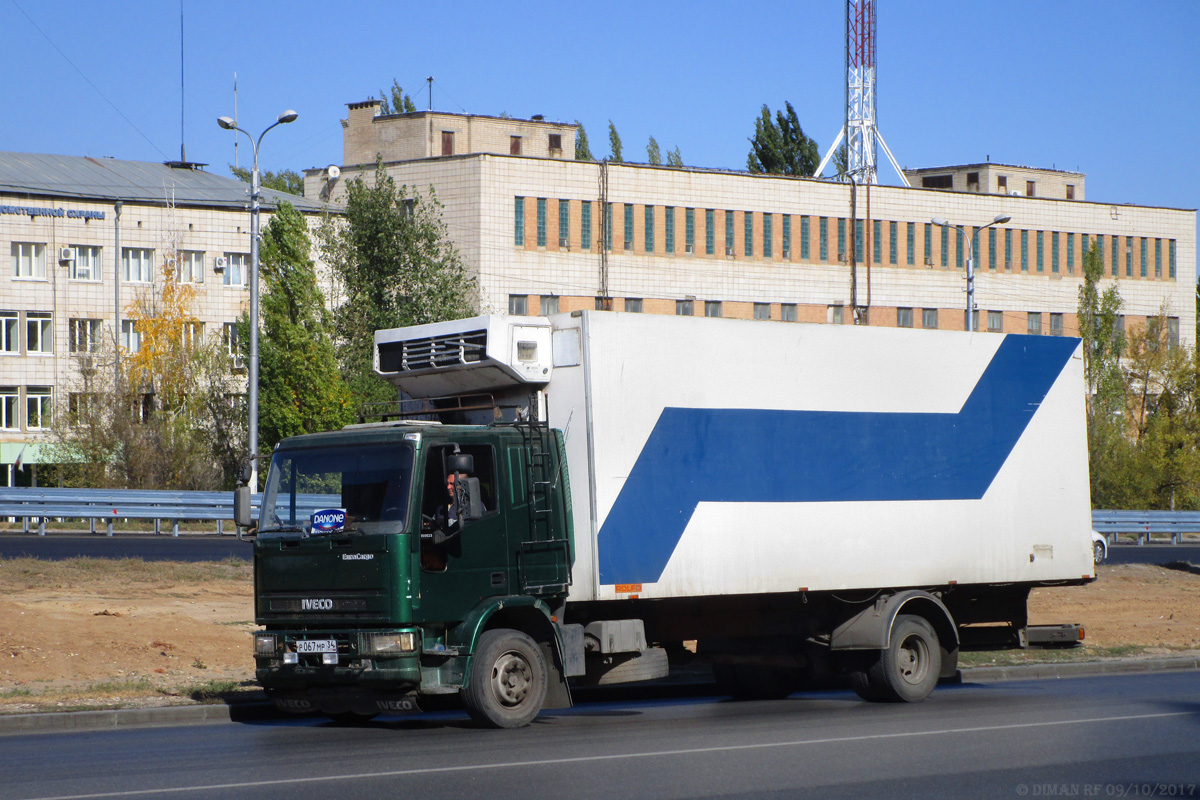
(264, 644)
(385, 643)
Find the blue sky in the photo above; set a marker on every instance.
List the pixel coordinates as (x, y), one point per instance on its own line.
(1106, 88)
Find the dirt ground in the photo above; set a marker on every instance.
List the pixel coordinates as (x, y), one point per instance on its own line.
(94, 634)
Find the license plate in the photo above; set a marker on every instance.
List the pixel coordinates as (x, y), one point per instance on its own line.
(316, 646)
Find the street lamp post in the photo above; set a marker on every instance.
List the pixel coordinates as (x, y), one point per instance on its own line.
(255, 197)
(999, 220)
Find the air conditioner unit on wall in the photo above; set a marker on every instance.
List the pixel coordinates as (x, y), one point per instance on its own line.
(66, 254)
(219, 263)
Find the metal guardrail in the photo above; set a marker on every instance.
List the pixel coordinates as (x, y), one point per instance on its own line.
(1145, 524)
(125, 504)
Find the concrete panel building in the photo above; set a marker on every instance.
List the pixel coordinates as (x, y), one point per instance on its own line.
(722, 243)
(83, 237)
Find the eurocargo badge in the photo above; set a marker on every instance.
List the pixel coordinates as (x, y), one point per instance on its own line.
(329, 520)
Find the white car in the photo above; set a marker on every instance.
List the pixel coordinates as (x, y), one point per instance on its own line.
(1099, 547)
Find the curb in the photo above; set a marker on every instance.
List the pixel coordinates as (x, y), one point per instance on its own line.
(55, 722)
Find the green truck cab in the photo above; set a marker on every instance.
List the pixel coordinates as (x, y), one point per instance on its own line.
(399, 560)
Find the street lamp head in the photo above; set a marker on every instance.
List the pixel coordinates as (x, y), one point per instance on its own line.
(939, 221)
(288, 116)
(227, 123)
(1001, 219)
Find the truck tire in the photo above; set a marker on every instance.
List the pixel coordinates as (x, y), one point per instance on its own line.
(507, 684)
(907, 670)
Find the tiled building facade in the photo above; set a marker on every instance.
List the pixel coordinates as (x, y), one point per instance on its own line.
(695, 241)
(68, 227)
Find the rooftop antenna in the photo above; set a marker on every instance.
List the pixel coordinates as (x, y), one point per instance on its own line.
(235, 119)
(430, 79)
(183, 162)
(859, 129)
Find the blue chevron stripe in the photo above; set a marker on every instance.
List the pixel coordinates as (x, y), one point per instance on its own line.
(698, 455)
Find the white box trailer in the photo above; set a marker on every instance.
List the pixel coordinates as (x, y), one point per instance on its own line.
(598, 497)
(719, 457)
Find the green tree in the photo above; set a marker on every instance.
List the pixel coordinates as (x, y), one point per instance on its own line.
(400, 103)
(614, 144)
(653, 154)
(582, 151)
(395, 266)
(674, 158)
(780, 147)
(286, 180)
(300, 387)
(1098, 313)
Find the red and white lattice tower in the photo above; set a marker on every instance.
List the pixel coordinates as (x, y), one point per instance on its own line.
(859, 131)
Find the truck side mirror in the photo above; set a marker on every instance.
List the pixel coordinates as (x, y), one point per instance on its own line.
(461, 462)
(241, 507)
(245, 471)
(468, 498)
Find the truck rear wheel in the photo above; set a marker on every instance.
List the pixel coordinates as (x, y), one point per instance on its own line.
(507, 684)
(907, 670)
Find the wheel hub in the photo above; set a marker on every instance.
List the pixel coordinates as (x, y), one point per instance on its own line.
(511, 679)
(913, 660)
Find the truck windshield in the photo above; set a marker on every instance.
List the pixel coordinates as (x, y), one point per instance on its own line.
(371, 482)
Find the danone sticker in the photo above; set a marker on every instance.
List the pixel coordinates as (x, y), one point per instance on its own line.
(329, 520)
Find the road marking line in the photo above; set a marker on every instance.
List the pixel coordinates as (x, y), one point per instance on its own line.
(612, 757)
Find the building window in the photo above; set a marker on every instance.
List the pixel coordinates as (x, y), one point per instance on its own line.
(959, 238)
(904, 318)
(991, 248)
(860, 242)
(762, 310)
(689, 230)
(37, 408)
(10, 401)
(1171, 261)
(633, 305)
(972, 181)
(669, 229)
(712, 308)
(564, 223)
(81, 406)
(768, 232)
(804, 234)
(1116, 255)
(928, 244)
(1033, 323)
(911, 252)
(137, 265)
(1070, 191)
(1070, 253)
(748, 238)
(514, 145)
(1030, 188)
(10, 340)
(1041, 251)
(893, 243)
(519, 221)
(787, 312)
(86, 266)
(1128, 256)
(1008, 248)
(710, 233)
(1056, 324)
(843, 253)
(1144, 256)
(929, 318)
(1002, 184)
(193, 334)
(877, 244)
(1024, 251)
(83, 335)
(787, 237)
(837, 315)
(447, 143)
(1173, 332)
(585, 225)
(231, 345)
(729, 233)
(823, 237)
(555, 143)
(945, 247)
(608, 226)
(1054, 252)
(648, 234)
(541, 222)
(548, 304)
(38, 327)
(628, 226)
(995, 322)
(28, 260)
(1158, 258)
(518, 304)
(131, 340)
(237, 269)
(191, 266)
(937, 182)
(683, 308)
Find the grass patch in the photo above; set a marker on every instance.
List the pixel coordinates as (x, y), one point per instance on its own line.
(214, 692)
(34, 573)
(1050, 655)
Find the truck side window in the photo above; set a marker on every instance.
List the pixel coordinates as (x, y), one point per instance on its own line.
(440, 542)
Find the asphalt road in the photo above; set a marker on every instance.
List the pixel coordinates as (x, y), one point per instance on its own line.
(214, 548)
(1126, 736)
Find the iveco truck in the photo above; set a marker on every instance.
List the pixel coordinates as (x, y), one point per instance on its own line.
(597, 497)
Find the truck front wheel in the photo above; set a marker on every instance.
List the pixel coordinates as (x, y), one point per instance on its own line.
(507, 685)
(908, 669)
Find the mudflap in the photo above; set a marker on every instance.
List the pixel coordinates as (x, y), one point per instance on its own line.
(338, 702)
